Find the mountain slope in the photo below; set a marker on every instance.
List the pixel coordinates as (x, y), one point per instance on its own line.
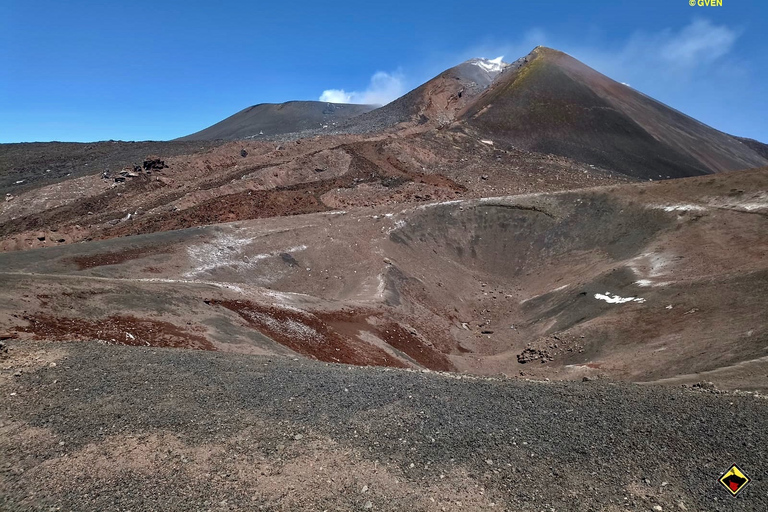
(437, 100)
(278, 118)
(756, 146)
(555, 104)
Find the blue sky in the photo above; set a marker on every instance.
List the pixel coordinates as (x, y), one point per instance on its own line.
(138, 70)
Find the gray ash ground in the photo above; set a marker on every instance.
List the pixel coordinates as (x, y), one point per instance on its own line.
(122, 428)
(29, 165)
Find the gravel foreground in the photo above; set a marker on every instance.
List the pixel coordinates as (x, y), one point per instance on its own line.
(85, 426)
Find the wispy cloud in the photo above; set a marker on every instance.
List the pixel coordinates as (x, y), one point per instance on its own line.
(699, 48)
(699, 43)
(383, 88)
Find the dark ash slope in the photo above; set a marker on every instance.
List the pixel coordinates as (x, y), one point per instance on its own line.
(279, 118)
(555, 104)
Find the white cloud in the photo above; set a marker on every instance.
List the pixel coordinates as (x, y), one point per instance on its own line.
(698, 43)
(665, 58)
(383, 88)
(336, 96)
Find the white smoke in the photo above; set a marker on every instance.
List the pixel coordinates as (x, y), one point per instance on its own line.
(383, 88)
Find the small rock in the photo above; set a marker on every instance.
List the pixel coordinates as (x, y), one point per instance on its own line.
(657, 508)
(368, 505)
(364, 489)
(243, 153)
(489, 462)
(298, 437)
(681, 505)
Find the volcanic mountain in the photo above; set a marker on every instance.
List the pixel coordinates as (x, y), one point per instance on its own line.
(437, 100)
(552, 103)
(268, 119)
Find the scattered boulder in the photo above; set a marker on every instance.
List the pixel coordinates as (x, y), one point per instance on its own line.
(533, 354)
(119, 179)
(154, 163)
(243, 153)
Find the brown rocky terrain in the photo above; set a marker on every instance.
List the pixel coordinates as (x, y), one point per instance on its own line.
(635, 282)
(177, 317)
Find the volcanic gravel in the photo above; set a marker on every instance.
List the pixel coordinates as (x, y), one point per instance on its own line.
(68, 432)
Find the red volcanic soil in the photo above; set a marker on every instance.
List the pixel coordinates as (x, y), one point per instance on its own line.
(115, 258)
(334, 336)
(116, 329)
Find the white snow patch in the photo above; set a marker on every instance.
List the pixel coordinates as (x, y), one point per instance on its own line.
(382, 287)
(272, 254)
(490, 65)
(398, 225)
(615, 299)
(227, 251)
(289, 326)
(486, 141)
(442, 203)
(679, 207)
(648, 266)
(756, 201)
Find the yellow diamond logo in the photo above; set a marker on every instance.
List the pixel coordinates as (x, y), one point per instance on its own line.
(734, 480)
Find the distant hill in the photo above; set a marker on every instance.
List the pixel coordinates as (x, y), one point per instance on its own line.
(553, 103)
(279, 118)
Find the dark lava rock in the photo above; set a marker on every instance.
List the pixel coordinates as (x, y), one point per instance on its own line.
(154, 164)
